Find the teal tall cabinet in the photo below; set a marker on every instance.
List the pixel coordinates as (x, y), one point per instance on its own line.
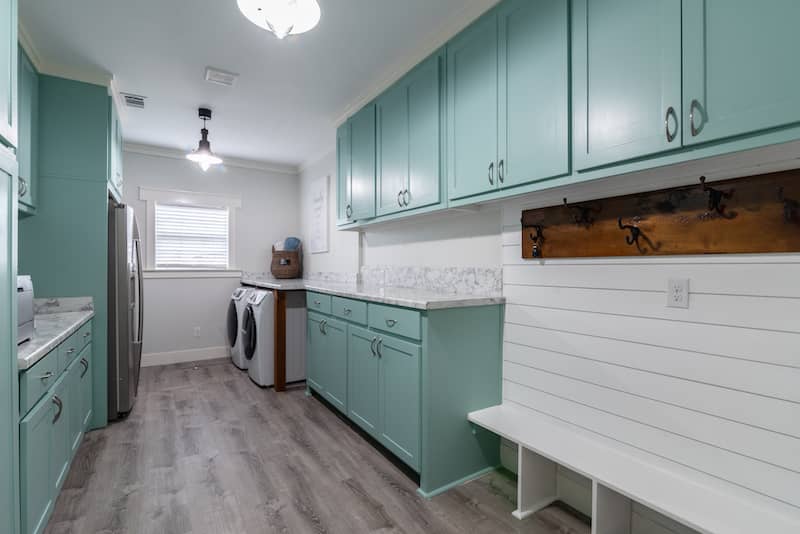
(626, 79)
(739, 61)
(508, 103)
(64, 246)
(28, 121)
(8, 73)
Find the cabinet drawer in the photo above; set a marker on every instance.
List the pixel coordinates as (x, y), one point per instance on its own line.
(84, 335)
(349, 309)
(398, 321)
(35, 382)
(70, 348)
(318, 302)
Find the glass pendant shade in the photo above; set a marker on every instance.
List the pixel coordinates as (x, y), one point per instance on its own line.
(282, 17)
(203, 155)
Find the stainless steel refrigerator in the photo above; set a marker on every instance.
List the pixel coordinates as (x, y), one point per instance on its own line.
(125, 310)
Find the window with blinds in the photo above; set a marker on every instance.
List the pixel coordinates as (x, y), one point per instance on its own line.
(191, 237)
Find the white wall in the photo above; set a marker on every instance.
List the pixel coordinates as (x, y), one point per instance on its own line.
(175, 307)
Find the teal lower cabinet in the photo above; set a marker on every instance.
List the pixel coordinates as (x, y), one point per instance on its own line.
(52, 430)
(410, 378)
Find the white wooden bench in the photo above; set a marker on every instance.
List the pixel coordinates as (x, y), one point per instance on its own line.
(621, 473)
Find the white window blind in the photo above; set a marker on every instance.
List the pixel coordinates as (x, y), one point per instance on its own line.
(191, 237)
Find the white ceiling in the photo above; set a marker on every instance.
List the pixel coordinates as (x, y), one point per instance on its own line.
(290, 93)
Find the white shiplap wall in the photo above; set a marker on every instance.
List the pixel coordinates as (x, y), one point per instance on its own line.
(715, 387)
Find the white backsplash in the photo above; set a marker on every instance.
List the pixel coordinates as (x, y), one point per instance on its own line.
(62, 305)
(459, 280)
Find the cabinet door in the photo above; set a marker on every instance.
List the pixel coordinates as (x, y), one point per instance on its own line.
(344, 204)
(314, 352)
(60, 446)
(362, 149)
(8, 72)
(626, 79)
(472, 109)
(739, 67)
(362, 383)
(424, 139)
(334, 359)
(28, 118)
(399, 403)
(534, 91)
(73, 408)
(87, 394)
(392, 152)
(36, 487)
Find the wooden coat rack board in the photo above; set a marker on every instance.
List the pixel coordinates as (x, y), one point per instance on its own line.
(757, 214)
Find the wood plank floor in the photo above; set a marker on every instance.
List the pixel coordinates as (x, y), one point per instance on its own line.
(207, 451)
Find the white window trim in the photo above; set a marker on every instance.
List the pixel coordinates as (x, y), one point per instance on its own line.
(188, 198)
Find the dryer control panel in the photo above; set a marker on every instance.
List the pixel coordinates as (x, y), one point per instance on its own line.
(257, 297)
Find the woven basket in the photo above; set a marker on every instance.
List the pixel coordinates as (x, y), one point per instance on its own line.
(287, 263)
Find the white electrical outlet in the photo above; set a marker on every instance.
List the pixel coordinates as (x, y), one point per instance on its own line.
(678, 293)
(196, 331)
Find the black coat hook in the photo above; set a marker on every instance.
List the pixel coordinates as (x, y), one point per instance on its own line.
(582, 214)
(715, 198)
(791, 207)
(634, 236)
(538, 240)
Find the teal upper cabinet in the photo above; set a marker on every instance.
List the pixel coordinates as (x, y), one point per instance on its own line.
(533, 91)
(409, 140)
(738, 58)
(8, 73)
(28, 132)
(472, 109)
(626, 79)
(362, 154)
(344, 196)
(508, 98)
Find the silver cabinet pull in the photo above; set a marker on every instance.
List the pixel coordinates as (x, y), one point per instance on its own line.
(348, 311)
(60, 406)
(87, 334)
(501, 171)
(491, 173)
(390, 323)
(85, 364)
(695, 106)
(22, 186)
(378, 348)
(71, 351)
(671, 114)
(400, 198)
(47, 376)
(372, 346)
(406, 197)
(322, 326)
(348, 211)
(317, 303)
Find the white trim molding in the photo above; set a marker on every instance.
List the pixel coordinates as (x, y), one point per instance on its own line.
(183, 274)
(174, 153)
(182, 356)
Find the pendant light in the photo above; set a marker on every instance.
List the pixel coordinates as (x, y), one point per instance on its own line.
(203, 155)
(282, 17)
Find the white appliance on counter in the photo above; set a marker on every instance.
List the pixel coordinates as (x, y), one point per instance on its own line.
(125, 310)
(236, 309)
(24, 309)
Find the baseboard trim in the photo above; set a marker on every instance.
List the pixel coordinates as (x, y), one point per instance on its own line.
(181, 356)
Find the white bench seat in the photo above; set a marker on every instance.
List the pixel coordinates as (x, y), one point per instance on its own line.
(699, 501)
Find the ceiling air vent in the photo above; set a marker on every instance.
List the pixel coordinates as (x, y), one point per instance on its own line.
(134, 101)
(220, 77)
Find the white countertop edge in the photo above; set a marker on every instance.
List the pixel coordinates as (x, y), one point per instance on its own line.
(81, 318)
(425, 301)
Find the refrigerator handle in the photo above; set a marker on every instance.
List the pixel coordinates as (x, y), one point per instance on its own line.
(140, 286)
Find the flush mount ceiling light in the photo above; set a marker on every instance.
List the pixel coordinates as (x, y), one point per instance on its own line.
(282, 17)
(203, 155)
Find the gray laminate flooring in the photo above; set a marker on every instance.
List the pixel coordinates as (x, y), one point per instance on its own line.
(207, 451)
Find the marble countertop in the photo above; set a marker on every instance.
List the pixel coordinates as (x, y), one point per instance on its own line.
(51, 330)
(420, 299)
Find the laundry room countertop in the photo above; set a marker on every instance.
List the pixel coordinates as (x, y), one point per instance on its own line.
(51, 329)
(420, 299)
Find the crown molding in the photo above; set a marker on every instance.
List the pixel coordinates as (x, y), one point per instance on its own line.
(174, 153)
(456, 22)
(27, 45)
(307, 164)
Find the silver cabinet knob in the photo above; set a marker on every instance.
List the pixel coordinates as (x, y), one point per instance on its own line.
(390, 323)
(348, 311)
(22, 186)
(348, 211)
(47, 376)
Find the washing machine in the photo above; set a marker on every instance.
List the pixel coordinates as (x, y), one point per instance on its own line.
(236, 310)
(258, 338)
